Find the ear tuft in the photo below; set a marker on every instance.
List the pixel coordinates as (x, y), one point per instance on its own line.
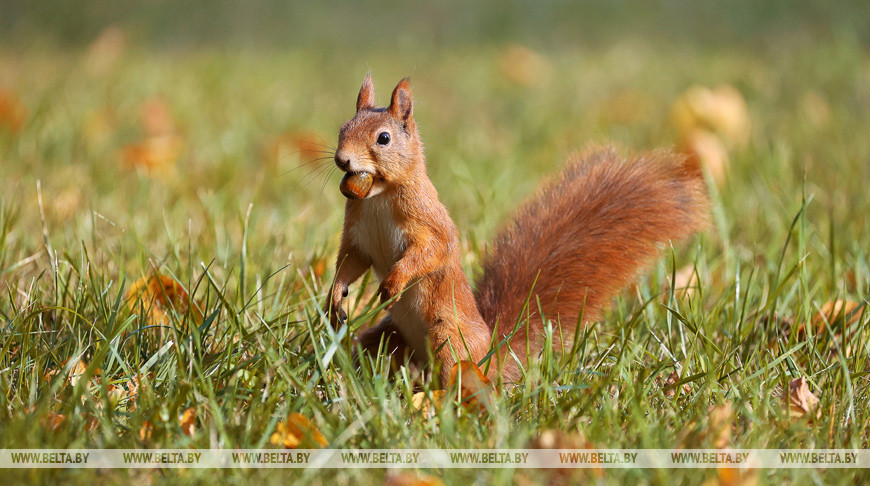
(402, 102)
(366, 97)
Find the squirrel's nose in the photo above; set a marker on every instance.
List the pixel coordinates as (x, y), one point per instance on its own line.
(342, 161)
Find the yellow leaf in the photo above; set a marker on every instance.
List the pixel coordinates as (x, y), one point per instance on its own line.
(154, 154)
(801, 402)
(295, 431)
(421, 401)
(706, 148)
(720, 111)
(188, 422)
(159, 293)
(475, 388)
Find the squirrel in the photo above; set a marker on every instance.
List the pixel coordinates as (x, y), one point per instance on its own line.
(568, 250)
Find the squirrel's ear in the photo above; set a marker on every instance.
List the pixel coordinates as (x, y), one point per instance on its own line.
(402, 102)
(366, 97)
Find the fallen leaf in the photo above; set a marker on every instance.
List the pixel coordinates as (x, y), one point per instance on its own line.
(412, 479)
(306, 146)
(66, 203)
(77, 372)
(721, 111)
(422, 401)
(475, 387)
(801, 402)
(732, 476)
(685, 281)
(159, 293)
(525, 67)
(705, 148)
(720, 420)
(157, 119)
(295, 431)
(840, 312)
(145, 431)
(670, 388)
(54, 421)
(558, 439)
(154, 154)
(188, 422)
(12, 111)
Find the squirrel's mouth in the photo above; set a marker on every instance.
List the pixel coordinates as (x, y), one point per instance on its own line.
(357, 185)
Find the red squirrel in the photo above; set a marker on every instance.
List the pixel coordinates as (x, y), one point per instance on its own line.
(583, 237)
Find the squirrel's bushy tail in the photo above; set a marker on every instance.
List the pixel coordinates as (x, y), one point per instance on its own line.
(584, 236)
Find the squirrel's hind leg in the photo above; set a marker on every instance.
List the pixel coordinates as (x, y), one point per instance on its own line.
(369, 342)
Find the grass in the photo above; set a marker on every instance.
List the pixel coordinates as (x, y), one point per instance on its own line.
(253, 242)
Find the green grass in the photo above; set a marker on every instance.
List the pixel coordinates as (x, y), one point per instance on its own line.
(246, 238)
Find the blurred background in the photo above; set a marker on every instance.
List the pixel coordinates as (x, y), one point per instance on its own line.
(160, 122)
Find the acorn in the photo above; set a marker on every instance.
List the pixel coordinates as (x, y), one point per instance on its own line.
(356, 185)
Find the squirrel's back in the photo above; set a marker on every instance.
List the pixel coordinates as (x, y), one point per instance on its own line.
(584, 236)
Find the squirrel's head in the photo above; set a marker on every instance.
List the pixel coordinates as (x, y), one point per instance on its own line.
(381, 141)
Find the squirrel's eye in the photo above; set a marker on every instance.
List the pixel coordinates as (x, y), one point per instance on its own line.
(383, 138)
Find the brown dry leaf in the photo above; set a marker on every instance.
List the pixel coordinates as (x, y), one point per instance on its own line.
(685, 281)
(157, 119)
(53, 421)
(145, 431)
(307, 146)
(154, 154)
(116, 395)
(475, 387)
(706, 148)
(12, 112)
(737, 477)
(525, 67)
(721, 111)
(158, 293)
(558, 439)
(92, 423)
(295, 431)
(188, 422)
(801, 402)
(66, 203)
(838, 311)
(675, 391)
(720, 421)
(421, 401)
(77, 372)
(318, 266)
(412, 479)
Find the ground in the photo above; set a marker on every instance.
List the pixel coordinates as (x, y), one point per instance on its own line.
(121, 162)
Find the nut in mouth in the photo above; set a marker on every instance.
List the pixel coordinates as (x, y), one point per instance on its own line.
(357, 185)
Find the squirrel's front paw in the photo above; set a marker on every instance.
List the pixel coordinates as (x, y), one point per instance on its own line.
(337, 315)
(387, 291)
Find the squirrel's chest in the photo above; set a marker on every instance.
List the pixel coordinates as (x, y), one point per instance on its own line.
(378, 235)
